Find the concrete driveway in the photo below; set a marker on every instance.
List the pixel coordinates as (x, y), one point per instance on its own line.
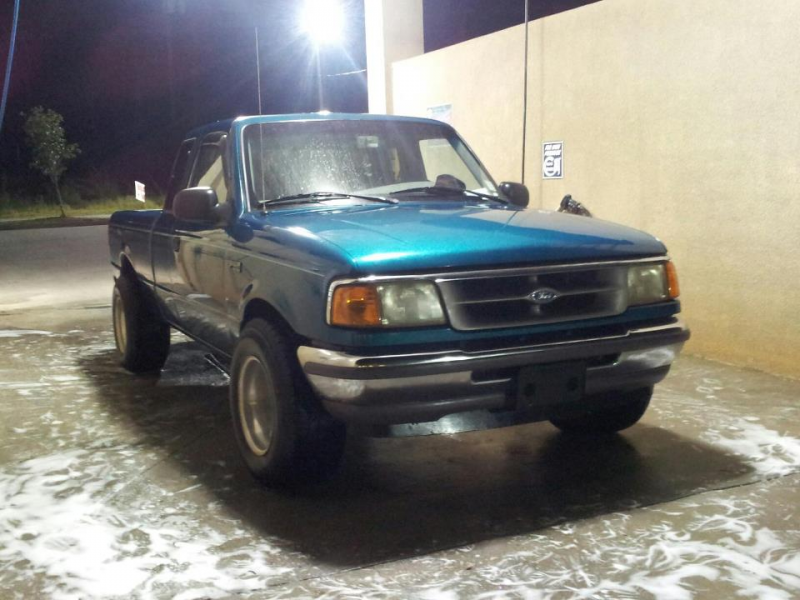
(113, 485)
(42, 268)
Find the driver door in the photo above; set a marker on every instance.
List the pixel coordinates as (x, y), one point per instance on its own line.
(194, 271)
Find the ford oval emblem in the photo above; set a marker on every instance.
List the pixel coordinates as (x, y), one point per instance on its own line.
(543, 296)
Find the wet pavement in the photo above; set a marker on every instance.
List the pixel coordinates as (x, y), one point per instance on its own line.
(118, 486)
(113, 485)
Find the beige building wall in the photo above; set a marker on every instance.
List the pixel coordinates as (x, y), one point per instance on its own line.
(482, 79)
(394, 32)
(678, 117)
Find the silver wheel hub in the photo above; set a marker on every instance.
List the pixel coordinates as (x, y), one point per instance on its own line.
(257, 405)
(120, 324)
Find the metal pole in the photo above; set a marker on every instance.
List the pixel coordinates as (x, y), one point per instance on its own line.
(320, 90)
(171, 69)
(258, 72)
(7, 80)
(525, 95)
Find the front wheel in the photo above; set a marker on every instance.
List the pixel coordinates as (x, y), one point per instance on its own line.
(283, 434)
(627, 409)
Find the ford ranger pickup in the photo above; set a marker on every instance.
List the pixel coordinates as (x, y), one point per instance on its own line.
(366, 271)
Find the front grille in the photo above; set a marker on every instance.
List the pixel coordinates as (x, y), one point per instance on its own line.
(487, 301)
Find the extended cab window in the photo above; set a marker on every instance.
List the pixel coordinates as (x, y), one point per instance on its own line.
(209, 171)
(180, 172)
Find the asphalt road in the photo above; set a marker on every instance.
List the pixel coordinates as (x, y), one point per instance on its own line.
(41, 268)
(117, 486)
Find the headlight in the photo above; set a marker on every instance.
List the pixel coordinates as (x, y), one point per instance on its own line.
(392, 304)
(652, 283)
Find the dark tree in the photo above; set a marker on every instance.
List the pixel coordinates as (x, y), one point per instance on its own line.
(49, 148)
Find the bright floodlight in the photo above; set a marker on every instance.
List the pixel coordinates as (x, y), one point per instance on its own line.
(322, 21)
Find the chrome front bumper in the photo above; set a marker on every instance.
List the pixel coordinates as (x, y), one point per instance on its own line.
(413, 388)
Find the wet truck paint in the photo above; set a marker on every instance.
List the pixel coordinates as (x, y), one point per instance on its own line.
(532, 314)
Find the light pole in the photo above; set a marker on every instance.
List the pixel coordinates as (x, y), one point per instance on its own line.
(258, 72)
(9, 62)
(320, 86)
(322, 22)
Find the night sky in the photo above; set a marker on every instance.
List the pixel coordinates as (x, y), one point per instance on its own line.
(132, 76)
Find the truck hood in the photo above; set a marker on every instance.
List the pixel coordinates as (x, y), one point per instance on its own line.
(441, 235)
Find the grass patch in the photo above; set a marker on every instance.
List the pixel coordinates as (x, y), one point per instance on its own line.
(52, 222)
(38, 210)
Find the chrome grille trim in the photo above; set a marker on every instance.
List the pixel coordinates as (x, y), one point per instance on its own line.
(444, 276)
(525, 297)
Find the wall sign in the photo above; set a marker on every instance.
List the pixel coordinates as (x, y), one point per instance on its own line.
(552, 160)
(443, 113)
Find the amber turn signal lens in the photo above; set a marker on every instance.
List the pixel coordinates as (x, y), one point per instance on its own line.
(356, 306)
(672, 279)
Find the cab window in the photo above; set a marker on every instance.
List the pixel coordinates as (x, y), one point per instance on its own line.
(209, 170)
(179, 178)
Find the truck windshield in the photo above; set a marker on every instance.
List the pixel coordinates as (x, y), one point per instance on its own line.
(359, 157)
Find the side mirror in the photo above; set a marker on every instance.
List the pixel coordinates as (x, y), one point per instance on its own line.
(516, 193)
(196, 204)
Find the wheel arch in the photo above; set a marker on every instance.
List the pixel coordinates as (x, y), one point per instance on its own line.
(260, 308)
(126, 266)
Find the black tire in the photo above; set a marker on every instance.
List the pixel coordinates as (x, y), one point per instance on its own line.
(283, 434)
(141, 334)
(627, 409)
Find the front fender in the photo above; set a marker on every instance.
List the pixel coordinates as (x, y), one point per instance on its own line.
(298, 296)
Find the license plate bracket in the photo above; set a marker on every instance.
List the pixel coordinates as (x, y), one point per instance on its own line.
(551, 384)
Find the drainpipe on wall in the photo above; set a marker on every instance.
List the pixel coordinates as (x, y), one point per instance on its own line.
(525, 95)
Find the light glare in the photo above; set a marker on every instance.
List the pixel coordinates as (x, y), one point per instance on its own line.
(322, 21)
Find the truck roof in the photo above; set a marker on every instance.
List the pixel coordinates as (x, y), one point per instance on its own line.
(226, 124)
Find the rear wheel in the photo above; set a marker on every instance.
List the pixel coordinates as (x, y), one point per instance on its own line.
(283, 434)
(141, 334)
(626, 411)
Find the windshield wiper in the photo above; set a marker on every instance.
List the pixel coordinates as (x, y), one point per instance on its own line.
(448, 191)
(311, 197)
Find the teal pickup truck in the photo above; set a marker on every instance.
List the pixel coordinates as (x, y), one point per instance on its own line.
(367, 272)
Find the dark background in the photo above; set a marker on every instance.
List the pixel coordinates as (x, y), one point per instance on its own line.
(131, 77)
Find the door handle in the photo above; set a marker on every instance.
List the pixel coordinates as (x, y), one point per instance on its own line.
(235, 266)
